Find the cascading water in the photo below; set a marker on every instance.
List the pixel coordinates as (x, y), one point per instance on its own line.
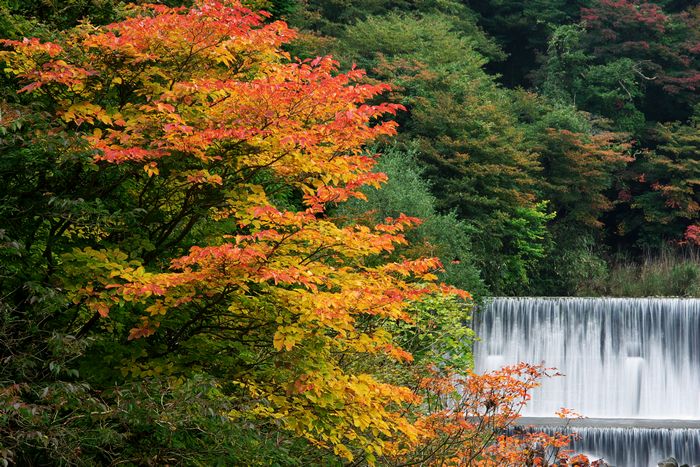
(622, 358)
(635, 447)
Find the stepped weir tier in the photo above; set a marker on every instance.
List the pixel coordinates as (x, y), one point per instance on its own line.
(631, 366)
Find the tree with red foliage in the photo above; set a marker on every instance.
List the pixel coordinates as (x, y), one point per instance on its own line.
(692, 234)
(664, 48)
(175, 172)
(471, 420)
(628, 60)
(663, 185)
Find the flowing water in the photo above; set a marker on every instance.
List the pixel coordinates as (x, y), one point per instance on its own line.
(633, 447)
(623, 358)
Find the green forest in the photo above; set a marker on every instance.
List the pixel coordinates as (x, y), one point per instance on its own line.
(254, 233)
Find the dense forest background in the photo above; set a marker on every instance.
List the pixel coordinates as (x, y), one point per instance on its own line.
(561, 137)
(259, 299)
(552, 146)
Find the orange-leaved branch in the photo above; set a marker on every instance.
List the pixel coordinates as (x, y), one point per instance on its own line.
(223, 156)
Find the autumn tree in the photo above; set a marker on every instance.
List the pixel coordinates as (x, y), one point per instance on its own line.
(178, 167)
(180, 283)
(662, 46)
(471, 421)
(662, 191)
(627, 60)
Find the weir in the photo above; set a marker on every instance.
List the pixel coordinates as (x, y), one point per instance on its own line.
(635, 447)
(624, 359)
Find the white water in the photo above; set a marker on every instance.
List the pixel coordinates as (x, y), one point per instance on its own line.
(622, 357)
(635, 447)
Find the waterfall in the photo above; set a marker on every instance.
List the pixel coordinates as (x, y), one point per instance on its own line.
(623, 358)
(635, 447)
